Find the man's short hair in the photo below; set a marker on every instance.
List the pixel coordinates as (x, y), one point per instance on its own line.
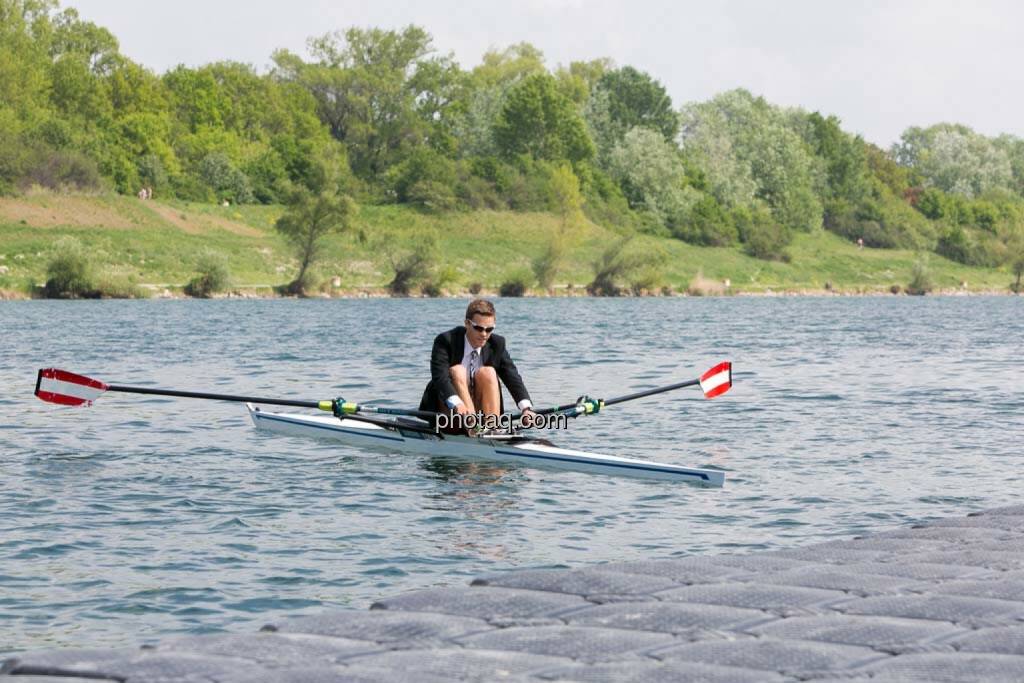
(479, 307)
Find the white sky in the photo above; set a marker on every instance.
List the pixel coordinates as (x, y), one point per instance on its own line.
(879, 65)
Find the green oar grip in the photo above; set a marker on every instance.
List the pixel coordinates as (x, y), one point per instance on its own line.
(340, 406)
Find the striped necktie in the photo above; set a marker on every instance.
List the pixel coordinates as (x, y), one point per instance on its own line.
(474, 365)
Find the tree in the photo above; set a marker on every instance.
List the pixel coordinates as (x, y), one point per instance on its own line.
(845, 159)
(955, 159)
(625, 261)
(565, 187)
(308, 220)
(414, 260)
(636, 99)
(367, 90)
(578, 80)
(652, 176)
(739, 140)
(539, 121)
(509, 66)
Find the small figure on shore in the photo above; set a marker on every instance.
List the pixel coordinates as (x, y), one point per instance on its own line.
(860, 242)
(142, 194)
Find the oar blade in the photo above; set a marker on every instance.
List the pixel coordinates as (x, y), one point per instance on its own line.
(717, 380)
(66, 388)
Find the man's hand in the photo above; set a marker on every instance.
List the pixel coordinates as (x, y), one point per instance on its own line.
(461, 409)
(527, 418)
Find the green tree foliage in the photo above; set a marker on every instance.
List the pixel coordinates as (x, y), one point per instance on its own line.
(540, 122)
(624, 99)
(624, 263)
(212, 275)
(847, 178)
(307, 222)
(509, 66)
(414, 260)
(921, 282)
(955, 159)
(378, 91)
(569, 205)
(578, 80)
(69, 273)
(652, 176)
(425, 179)
(379, 114)
(743, 144)
(637, 100)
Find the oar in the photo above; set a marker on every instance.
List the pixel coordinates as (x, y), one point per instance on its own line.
(67, 388)
(714, 382)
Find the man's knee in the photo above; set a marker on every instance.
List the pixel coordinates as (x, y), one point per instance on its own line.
(458, 374)
(485, 375)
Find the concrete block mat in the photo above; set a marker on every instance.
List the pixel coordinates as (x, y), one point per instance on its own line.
(271, 649)
(666, 617)
(974, 612)
(576, 642)
(661, 672)
(490, 603)
(776, 599)
(465, 664)
(885, 634)
(582, 582)
(1006, 640)
(791, 657)
(949, 668)
(382, 626)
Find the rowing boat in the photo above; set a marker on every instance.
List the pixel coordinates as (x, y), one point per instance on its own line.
(393, 435)
(409, 431)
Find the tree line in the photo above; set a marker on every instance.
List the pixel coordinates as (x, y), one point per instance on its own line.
(381, 116)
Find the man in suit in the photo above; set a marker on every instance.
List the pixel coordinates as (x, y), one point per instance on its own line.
(466, 365)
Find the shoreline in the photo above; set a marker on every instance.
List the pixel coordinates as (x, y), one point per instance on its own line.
(267, 292)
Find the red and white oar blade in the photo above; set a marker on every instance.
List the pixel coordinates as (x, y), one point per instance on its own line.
(67, 388)
(717, 380)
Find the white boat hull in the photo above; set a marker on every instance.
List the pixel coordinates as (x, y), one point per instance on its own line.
(521, 452)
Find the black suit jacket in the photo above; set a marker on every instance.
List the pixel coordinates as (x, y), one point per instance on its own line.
(449, 348)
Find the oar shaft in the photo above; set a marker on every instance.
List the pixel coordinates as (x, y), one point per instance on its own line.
(391, 424)
(650, 392)
(214, 397)
(383, 410)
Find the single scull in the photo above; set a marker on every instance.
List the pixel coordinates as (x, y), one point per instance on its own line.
(521, 450)
(410, 431)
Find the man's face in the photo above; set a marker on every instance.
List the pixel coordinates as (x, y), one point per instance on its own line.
(479, 329)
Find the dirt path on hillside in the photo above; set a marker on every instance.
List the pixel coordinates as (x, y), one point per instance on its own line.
(62, 211)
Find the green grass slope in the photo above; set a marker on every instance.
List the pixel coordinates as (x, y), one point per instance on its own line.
(157, 243)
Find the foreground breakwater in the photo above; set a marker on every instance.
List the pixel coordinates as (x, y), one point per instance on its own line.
(937, 602)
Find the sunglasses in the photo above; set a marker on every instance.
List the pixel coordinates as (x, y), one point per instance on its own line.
(480, 328)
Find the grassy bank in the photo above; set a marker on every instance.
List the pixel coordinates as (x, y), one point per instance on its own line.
(156, 244)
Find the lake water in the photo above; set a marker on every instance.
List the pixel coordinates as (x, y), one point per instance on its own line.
(141, 516)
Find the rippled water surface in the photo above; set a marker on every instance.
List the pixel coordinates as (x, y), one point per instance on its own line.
(145, 516)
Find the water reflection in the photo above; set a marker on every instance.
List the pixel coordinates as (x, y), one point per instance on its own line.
(484, 499)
